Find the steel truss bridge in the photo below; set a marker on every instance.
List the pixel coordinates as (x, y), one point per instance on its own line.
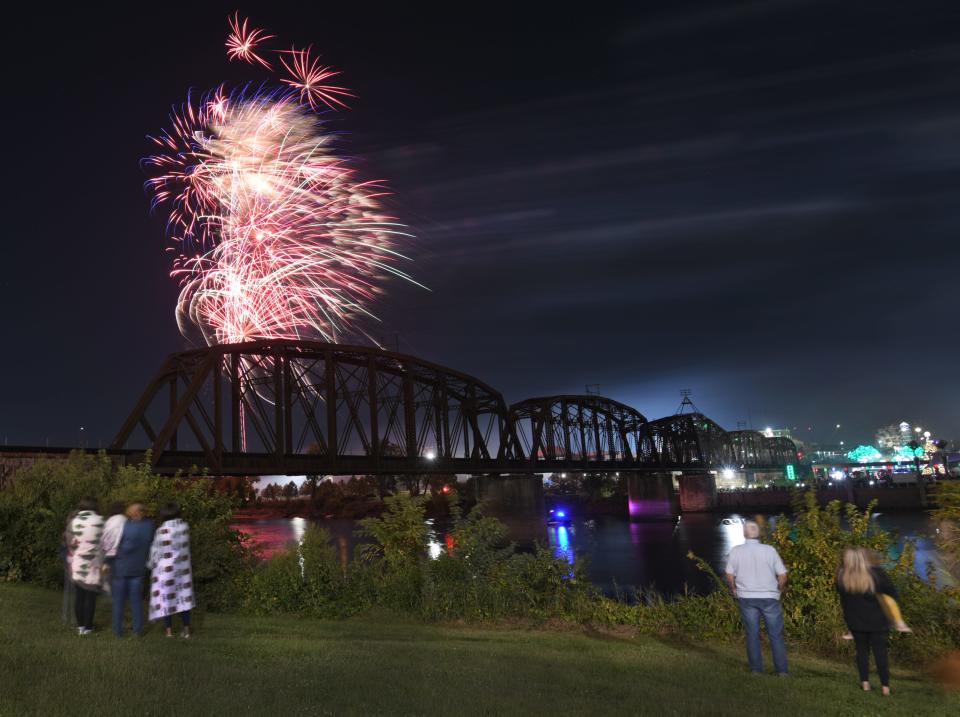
(281, 407)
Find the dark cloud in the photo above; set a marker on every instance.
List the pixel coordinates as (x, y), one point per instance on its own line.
(756, 201)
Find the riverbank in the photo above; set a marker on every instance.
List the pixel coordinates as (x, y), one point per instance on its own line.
(240, 665)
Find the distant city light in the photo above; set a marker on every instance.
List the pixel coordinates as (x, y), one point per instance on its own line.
(864, 454)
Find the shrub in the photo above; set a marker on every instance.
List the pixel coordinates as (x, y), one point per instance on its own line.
(34, 512)
(811, 545)
(946, 516)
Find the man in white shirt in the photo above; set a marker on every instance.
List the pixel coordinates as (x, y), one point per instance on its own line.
(757, 576)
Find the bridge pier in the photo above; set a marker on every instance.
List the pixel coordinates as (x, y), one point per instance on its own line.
(650, 496)
(517, 501)
(698, 492)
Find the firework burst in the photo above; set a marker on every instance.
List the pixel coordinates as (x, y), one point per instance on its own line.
(242, 41)
(276, 236)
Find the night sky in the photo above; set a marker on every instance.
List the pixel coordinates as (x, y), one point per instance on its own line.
(755, 201)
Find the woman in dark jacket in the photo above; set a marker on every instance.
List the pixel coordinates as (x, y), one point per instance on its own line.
(859, 583)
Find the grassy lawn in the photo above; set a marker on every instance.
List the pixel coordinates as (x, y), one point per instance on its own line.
(288, 666)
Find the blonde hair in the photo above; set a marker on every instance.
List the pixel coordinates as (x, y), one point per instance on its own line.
(855, 574)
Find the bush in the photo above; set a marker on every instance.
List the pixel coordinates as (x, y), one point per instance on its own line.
(811, 545)
(480, 575)
(946, 517)
(34, 512)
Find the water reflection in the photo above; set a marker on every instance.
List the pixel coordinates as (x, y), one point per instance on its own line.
(731, 532)
(560, 540)
(434, 549)
(298, 527)
(622, 557)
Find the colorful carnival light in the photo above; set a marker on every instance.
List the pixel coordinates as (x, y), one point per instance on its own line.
(865, 454)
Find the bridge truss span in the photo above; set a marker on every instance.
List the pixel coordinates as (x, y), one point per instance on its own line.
(295, 407)
(281, 407)
(587, 430)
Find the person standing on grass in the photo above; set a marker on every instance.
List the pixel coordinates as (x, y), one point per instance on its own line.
(85, 560)
(113, 530)
(129, 567)
(110, 540)
(171, 581)
(860, 584)
(757, 577)
(69, 591)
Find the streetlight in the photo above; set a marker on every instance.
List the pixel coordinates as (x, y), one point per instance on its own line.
(429, 455)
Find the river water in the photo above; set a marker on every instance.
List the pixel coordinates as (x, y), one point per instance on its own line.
(622, 557)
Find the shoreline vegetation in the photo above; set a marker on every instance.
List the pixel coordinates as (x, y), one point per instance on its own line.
(479, 577)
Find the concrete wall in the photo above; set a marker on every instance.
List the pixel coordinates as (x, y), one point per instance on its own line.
(698, 493)
(518, 502)
(14, 460)
(650, 496)
(779, 498)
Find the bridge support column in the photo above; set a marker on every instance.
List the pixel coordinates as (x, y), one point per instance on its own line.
(517, 501)
(650, 496)
(698, 492)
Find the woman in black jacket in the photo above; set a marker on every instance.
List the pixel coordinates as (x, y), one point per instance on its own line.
(859, 583)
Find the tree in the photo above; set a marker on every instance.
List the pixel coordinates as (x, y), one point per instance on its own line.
(290, 490)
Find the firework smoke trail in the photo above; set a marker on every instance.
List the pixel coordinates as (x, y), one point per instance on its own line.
(276, 236)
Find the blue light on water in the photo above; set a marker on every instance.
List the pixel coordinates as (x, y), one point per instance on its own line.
(562, 547)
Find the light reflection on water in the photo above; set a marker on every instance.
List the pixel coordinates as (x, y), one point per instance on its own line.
(621, 556)
(560, 540)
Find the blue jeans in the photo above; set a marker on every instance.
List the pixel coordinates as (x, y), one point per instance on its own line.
(751, 610)
(123, 589)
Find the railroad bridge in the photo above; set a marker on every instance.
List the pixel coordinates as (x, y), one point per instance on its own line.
(282, 407)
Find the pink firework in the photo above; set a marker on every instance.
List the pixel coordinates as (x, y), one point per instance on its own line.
(277, 236)
(307, 76)
(241, 41)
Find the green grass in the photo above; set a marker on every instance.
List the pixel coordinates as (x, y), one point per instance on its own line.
(289, 666)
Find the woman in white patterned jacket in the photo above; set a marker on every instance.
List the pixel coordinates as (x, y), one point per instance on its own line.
(171, 574)
(85, 561)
